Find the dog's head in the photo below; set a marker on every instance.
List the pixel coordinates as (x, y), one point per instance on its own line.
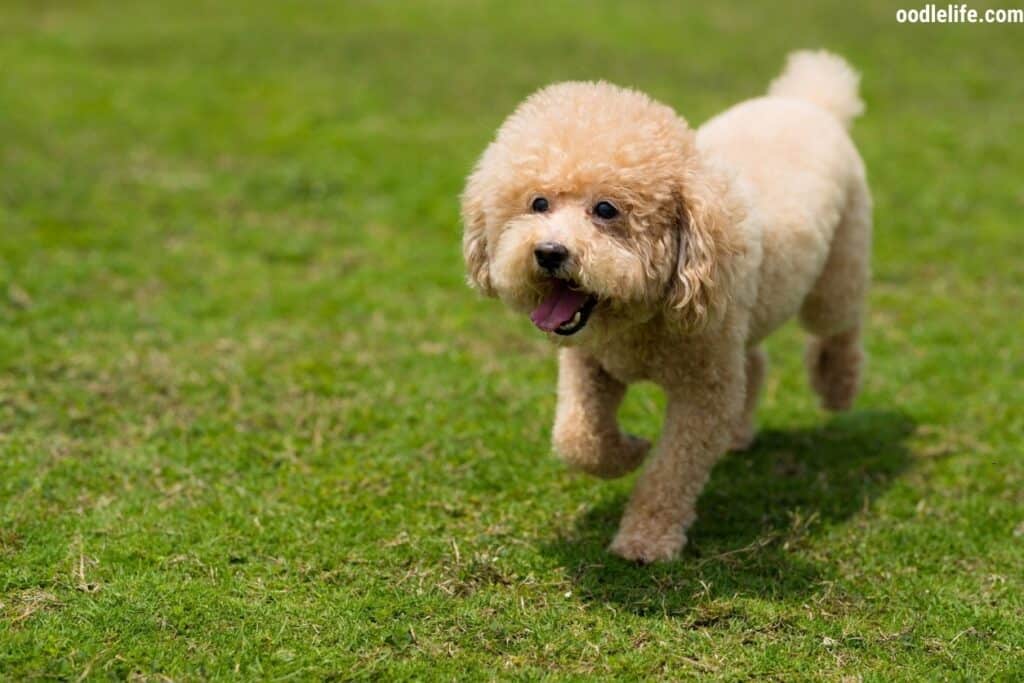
(592, 209)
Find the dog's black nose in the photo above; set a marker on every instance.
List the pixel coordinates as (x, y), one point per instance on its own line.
(550, 255)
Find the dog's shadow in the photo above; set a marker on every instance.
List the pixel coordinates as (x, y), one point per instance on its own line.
(757, 517)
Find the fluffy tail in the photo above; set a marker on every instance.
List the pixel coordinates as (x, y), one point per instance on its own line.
(824, 79)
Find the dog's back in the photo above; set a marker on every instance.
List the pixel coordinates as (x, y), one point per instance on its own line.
(791, 152)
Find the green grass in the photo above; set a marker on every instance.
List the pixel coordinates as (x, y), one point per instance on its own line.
(252, 423)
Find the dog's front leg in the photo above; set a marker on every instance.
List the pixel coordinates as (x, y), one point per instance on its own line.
(586, 433)
(698, 425)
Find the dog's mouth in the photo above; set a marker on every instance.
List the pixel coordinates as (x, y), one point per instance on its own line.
(565, 310)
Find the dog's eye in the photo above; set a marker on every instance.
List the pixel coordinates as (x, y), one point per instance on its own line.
(539, 205)
(605, 210)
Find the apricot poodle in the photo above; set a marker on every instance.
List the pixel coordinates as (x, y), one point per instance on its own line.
(650, 251)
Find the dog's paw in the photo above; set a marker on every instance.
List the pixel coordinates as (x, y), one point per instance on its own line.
(647, 548)
(635, 449)
(630, 455)
(743, 438)
(610, 464)
(835, 366)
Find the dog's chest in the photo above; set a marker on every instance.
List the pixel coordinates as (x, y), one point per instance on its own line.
(633, 358)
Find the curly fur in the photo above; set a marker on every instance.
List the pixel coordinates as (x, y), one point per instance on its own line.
(724, 233)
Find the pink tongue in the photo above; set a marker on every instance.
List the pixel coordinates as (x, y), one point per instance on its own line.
(559, 307)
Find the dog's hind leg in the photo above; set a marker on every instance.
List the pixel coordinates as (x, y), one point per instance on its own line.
(586, 433)
(743, 433)
(834, 309)
(834, 364)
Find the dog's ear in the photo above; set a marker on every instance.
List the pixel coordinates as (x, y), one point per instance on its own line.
(474, 238)
(706, 217)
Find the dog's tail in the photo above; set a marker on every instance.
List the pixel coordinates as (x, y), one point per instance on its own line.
(824, 79)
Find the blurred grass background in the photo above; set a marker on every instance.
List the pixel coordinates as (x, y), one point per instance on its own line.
(252, 424)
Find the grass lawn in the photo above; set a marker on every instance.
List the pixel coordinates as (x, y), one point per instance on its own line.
(253, 424)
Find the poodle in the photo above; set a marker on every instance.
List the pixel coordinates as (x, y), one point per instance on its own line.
(646, 250)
